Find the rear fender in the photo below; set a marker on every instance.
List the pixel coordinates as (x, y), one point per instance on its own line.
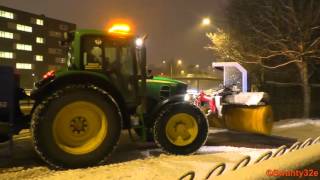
(82, 78)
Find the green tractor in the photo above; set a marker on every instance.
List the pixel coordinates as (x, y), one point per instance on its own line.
(79, 112)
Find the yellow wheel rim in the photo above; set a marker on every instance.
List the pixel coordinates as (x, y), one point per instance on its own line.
(182, 129)
(80, 127)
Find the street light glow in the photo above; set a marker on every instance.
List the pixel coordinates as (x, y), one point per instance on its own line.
(179, 62)
(197, 66)
(206, 21)
(163, 62)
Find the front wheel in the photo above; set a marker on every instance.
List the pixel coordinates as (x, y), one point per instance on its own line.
(181, 128)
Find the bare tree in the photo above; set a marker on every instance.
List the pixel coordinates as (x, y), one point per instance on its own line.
(273, 34)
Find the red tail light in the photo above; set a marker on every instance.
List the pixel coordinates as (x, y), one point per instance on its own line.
(49, 74)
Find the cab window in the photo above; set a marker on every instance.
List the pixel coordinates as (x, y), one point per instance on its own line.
(126, 60)
(92, 52)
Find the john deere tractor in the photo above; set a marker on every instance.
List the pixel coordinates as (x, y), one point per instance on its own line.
(79, 112)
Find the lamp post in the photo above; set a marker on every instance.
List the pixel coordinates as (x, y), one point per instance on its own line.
(170, 66)
(170, 63)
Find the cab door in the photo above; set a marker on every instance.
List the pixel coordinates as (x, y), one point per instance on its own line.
(122, 71)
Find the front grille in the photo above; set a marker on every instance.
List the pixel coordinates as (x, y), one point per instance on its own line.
(164, 92)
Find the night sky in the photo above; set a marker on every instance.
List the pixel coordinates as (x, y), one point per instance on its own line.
(173, 25)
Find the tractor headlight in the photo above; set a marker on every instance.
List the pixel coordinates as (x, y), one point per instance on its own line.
(187, 97)
(139, 42)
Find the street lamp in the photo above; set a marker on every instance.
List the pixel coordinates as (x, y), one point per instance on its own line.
(170, 66)
(197, 66)
(206, 21)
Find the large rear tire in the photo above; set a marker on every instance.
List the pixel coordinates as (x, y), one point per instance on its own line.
(77, 126)
(180, 128)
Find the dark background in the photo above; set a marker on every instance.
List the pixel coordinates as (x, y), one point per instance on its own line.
(173, 25)
(174, 32)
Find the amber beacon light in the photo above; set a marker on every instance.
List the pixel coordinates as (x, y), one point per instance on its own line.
(121, 29)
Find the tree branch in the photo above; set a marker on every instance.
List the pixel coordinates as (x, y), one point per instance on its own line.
(280, 65)
(283, 84)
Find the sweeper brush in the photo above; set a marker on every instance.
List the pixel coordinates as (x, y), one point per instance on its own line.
(245, 112)
(256, 119)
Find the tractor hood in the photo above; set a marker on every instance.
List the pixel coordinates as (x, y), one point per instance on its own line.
(162, 88)
(168, 80)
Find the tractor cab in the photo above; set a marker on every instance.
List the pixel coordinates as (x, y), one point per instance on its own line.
(114, 55)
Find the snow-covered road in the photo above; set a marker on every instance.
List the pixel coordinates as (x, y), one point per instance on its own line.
(146, 161)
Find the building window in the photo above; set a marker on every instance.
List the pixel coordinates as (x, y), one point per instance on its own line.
(40, 40)
(23, 66)
(60, 60)
(7, 55)
(39, 22)
(63, 27)
(55, 51)
(24, 47)
(6, 14)
(7, 35)
(55, 34)
(24, 28)
(39, 58)
(54, 67)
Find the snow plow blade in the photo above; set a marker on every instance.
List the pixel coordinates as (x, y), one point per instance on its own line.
(252, 119)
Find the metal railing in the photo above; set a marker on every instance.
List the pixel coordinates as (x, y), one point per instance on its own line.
(221, 168)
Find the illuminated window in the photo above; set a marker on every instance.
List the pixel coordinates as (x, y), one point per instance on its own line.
(39, 58)
(40, 40)
(24, 28)
(7, 55)
(24, 47)
(6, 14)
(23, 66)
(39, 22)
(7, 35)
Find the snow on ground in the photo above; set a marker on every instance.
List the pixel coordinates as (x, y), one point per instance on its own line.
(252, 152)
(146, 161)
(292, 123)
